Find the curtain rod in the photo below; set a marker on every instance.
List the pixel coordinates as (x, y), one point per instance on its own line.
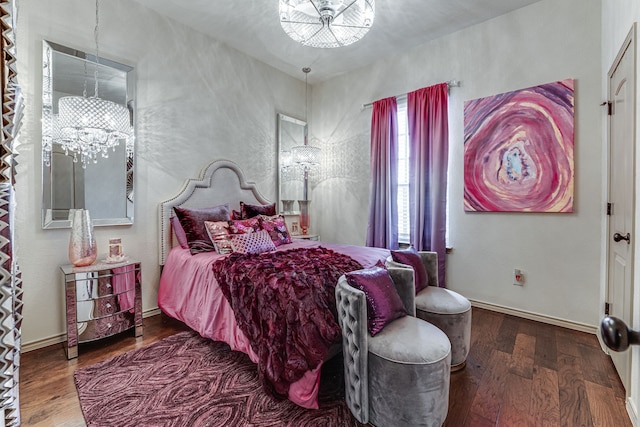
(450, 84)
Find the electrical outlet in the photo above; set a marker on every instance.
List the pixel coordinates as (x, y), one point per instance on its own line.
(518, 277)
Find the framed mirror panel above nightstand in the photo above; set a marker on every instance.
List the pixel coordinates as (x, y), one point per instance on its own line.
(105, 187)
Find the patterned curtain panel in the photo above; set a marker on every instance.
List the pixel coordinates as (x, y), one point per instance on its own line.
(10, 280)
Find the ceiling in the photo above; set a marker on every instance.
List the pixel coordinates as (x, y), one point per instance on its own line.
(253, 27)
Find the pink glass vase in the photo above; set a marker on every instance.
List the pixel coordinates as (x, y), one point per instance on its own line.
(82, 245)
(304, 215)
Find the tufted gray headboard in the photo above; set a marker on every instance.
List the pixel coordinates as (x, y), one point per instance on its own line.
(220, 182)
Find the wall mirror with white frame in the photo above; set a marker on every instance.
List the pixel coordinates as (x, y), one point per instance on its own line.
(105, 187)
(291, 132)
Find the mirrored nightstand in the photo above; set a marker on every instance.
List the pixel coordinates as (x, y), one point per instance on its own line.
(102, 299)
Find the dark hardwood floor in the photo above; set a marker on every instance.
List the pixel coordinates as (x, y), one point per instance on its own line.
(519, 373)
(525, 373)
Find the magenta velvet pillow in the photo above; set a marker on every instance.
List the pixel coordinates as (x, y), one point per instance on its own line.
(192, 221)
(181, 237)
(411, 258)
(250, 211)
(383, 302)
(252, 243)
(277, 228)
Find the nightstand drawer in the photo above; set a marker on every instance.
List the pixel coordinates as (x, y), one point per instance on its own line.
(102, 283)
(105, 306)
(105, 327)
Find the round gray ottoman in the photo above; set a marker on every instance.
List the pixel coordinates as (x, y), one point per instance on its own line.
(446, 309)
(451, 312)
(409, 370)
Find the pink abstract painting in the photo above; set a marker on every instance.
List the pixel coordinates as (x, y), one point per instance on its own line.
(518, 150)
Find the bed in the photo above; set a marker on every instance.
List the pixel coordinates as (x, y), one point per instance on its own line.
(188, 288)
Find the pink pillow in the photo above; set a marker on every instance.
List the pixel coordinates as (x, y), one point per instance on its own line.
(383, 302)
(252, 243)
(192, 221)
(218, 232)
(277, 228)
(411, 257)
(250, 211)
(179, 232)
(244, 226)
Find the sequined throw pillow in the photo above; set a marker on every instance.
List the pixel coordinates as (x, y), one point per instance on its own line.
(383, 302)
(219, 234)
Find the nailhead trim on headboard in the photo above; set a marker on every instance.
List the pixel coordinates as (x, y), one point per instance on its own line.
(210, 189)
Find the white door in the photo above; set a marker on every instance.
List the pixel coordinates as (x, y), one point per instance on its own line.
(621, 193)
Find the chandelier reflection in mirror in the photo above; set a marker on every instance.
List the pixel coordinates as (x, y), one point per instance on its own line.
(305, 156)
(326, 23)
(297, 163)
(88, 126)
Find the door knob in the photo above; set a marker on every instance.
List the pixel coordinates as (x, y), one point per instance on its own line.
(617, 237)
(617, 335)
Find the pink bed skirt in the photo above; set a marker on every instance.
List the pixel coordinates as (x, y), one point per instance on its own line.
(190, 293)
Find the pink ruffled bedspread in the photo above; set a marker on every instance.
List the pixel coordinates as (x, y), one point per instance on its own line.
(284, 303)
(190, 293)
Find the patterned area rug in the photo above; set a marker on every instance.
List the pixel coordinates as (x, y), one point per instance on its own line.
(186, 380)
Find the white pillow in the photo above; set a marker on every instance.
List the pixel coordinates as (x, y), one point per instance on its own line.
(252, 243)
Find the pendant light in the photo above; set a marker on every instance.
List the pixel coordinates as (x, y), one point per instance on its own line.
(305, 157)
(88, 126)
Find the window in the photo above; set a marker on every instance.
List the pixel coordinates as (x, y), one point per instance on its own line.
(403, 176)
(403, 171)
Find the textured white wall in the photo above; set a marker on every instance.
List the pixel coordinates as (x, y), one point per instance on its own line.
(559, 253)
(197, 100)
(618, 17)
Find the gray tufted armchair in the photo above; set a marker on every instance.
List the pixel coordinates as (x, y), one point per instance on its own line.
(400, 377)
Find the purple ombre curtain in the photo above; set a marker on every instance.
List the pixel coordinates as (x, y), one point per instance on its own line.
(382, 231)
(428, 154)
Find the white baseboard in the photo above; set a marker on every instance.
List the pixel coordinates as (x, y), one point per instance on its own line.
(583, 327)
(46, 342)
(633, 412)
(151, 312)
(57, 339)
